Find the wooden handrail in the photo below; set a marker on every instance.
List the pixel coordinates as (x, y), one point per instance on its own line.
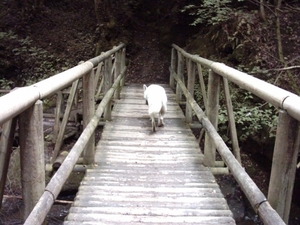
(257, 199)
(22, 98)
(55, 185)
(266, 91)
(287, 140)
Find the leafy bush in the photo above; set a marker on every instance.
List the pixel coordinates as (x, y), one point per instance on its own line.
(31, 63)
(254, 120)
(210, 12)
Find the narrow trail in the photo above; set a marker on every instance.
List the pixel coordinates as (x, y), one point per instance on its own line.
(148, 64)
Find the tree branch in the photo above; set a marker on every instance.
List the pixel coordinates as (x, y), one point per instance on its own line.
(56, 201)
(286, 68)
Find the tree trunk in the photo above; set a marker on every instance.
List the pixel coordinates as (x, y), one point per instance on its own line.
(106, 24)
(262, 10)
(280, 49)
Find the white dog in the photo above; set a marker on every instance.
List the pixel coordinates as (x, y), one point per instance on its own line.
(156, 99)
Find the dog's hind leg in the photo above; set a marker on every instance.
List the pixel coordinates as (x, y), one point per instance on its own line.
(161, 117)
(153, 125)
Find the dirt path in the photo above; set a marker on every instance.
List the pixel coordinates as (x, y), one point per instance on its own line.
(149, 64)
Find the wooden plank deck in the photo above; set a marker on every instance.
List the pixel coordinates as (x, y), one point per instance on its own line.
(148, 178)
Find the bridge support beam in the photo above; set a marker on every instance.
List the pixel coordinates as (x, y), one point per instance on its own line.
(32, 155)
(284, 164)
(212, 114)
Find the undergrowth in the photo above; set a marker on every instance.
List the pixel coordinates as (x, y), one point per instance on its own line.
(37, 63)
(254, 118)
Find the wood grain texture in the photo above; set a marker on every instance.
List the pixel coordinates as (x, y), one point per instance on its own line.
(142, 177)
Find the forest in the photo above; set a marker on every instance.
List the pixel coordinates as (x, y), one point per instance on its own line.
(40, 38)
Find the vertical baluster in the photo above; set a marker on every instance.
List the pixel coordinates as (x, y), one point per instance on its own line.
(231, 120)
(190, 86)
(173, 65)
(212, 114)
(180, 75)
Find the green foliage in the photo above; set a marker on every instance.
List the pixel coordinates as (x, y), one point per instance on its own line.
(198, 95)
(255, 70)
(210, 12)
(5, 84)
(253, 120)
(34, 63)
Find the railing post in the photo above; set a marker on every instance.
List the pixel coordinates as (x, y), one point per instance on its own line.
(59, 99)
(212, 114)
(180, 75)
(6, 142)
(107, 85)
(173, 64)
(118, 69)
(190, 86)
(88, 113)
(32, 155)
(123, 65)
(202, 85)
(284, 164)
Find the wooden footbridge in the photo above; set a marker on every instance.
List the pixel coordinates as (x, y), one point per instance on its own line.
(145, 177)
(134, 176)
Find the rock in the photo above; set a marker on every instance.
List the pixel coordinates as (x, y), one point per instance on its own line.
(233, 195)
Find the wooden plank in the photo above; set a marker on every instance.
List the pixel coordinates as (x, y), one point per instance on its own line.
(144, 143)
(139, 223)
(139, 101)
(150, 219)
(100, 195)
(145, 134)
(150, 184)
(145, 115)
(190, 149)
(150, 192)
(178, 202)
(142, 122)
(151, 211)
(142, 107)
(120, 127)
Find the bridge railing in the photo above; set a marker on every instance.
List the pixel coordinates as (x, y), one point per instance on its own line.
(25, 105)
(287, 136)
